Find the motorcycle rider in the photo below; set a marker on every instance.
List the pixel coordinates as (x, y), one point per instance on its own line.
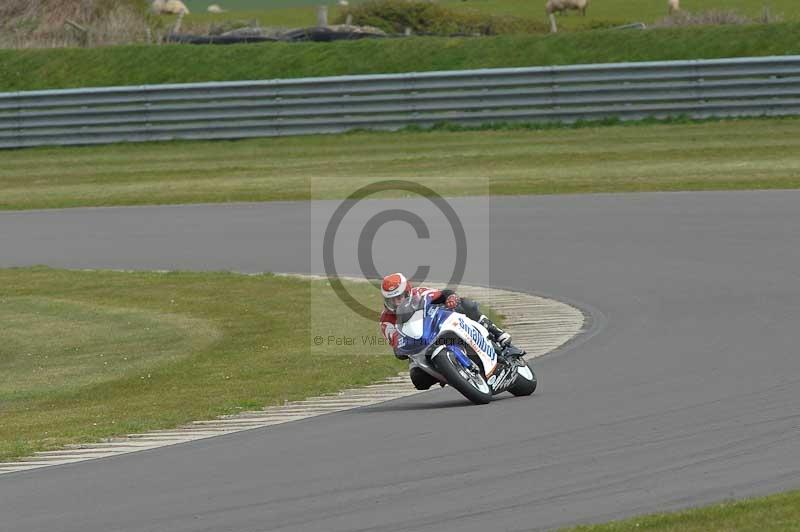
(398, 293)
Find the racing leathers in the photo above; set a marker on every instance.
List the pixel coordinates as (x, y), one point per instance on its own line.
(450, 299)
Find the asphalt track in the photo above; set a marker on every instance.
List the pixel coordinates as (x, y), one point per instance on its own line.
(686, 390)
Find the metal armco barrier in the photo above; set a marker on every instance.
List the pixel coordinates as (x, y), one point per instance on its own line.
(765, 86)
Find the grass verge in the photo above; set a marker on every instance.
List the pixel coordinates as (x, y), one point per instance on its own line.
(714, 155)
(131, 65)
(600, 14)
(87, 355)
(775, 513)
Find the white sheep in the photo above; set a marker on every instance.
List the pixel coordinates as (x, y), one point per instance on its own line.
(673, 6)
(169, 7)
(214, 8)
(559, 6)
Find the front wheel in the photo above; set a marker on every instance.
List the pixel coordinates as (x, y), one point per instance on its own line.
(468, 381)
(525, 383)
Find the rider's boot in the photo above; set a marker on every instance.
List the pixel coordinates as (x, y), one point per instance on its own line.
(499, 335)
(420, 379)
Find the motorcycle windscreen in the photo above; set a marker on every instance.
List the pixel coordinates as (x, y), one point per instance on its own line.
(415, 326)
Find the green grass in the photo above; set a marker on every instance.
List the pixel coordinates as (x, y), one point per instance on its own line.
(130, 65)
(198, 6)
(302, 12)
(87, 355)
(276, 17)
(732, 154)
(626, 11)
(776, 513)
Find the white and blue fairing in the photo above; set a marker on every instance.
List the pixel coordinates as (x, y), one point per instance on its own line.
(432, 321)
(421, 329)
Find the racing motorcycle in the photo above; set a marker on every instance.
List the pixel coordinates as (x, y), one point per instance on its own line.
(458, 351)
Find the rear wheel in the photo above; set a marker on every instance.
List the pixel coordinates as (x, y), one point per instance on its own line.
(469, 381)
(525, 383)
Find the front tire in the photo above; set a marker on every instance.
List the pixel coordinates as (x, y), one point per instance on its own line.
(523, 385)
(470, 383)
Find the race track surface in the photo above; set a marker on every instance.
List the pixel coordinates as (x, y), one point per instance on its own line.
(686, 390)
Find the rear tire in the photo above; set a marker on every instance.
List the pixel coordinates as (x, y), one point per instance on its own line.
(462, 379)
(523, 386)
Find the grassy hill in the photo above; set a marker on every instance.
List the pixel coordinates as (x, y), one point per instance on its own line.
(130, 65)
(600, 12)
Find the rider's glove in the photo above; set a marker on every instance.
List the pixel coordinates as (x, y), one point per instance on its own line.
(452, 301)
(389, 331)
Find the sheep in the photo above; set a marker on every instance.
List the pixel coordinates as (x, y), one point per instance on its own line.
(559, 6)
(169, 7)
(673, 6)
(214, 8)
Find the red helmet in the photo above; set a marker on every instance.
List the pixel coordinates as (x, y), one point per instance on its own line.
(396, 290)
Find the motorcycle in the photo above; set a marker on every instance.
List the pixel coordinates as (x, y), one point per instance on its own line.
(455, 350)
